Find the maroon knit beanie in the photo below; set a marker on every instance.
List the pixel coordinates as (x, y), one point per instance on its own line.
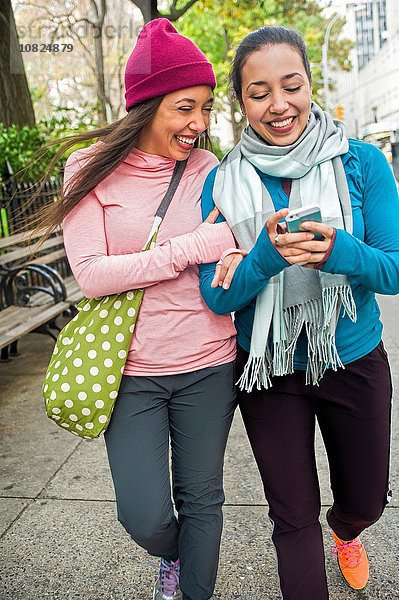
(164, 61)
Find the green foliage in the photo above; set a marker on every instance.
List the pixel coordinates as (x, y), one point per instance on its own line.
(20, 145)
(218, 26)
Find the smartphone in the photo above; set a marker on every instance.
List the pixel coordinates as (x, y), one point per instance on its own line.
(306, 213)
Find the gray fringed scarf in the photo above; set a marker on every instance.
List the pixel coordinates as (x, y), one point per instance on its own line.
(297, 297)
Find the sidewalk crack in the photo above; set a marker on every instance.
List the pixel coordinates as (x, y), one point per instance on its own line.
(38, 495)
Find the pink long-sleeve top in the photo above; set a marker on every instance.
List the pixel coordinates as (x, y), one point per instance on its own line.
(103, 236)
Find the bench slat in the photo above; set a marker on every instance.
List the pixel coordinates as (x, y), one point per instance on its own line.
(74, 294)
(17, 321)
(26, 251)
(47, 259)
(25, 237)
(15, 239)
(28, 320)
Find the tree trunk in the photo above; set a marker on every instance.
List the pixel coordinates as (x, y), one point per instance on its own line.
(236, 127)
(99, 11)
(155, 14)
(149, 9)
(100, 81)
(16, 106)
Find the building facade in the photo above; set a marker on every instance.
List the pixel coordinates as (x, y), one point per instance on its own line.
(369, 94)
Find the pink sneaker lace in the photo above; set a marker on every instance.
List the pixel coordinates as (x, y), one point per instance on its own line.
(169, 577)
(350, 552)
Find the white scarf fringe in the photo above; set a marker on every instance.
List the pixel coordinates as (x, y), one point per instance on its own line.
(316, 316)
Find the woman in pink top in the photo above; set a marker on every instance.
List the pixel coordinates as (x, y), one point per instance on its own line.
(178, 381)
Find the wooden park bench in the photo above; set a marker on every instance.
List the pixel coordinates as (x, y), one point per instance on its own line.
(33, 291)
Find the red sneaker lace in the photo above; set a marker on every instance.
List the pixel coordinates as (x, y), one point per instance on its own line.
(349, 552)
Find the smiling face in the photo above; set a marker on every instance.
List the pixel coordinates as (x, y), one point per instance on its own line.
(181, 117)
(276, 94)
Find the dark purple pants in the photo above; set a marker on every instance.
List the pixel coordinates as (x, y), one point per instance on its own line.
(353, 409)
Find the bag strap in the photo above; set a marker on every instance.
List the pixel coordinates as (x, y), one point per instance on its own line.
(174, 182)
(167, 199)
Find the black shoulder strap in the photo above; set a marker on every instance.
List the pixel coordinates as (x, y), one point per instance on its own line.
(174, 182)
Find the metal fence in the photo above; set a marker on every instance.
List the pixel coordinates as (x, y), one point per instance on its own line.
(16, 205)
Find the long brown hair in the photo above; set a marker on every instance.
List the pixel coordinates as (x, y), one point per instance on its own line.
(119, 140)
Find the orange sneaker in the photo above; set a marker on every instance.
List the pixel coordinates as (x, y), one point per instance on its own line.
(353, 561)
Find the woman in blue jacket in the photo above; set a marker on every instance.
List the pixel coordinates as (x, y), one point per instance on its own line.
(308, 324)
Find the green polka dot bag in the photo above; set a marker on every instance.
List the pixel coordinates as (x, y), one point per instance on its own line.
(85, 370)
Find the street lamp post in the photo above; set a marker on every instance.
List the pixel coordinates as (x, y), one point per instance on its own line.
(324, 55)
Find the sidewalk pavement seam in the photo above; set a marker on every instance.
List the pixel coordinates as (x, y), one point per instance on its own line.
(40, 492)
(106, 501)
(16, 518)
(59, 468)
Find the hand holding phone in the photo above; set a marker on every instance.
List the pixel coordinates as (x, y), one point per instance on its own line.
(306, 213)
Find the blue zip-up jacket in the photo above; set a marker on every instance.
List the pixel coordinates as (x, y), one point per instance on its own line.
(369, 257)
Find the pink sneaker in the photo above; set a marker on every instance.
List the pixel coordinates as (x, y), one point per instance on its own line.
(167, 585)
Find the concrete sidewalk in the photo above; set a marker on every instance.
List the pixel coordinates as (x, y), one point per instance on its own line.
(59, 534)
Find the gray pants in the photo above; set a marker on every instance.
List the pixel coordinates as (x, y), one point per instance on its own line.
(195, 410)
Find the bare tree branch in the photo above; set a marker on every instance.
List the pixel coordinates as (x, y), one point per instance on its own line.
(103, 9)
(177, 13)
(95, 9)
(85, 48)
(149, 9)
